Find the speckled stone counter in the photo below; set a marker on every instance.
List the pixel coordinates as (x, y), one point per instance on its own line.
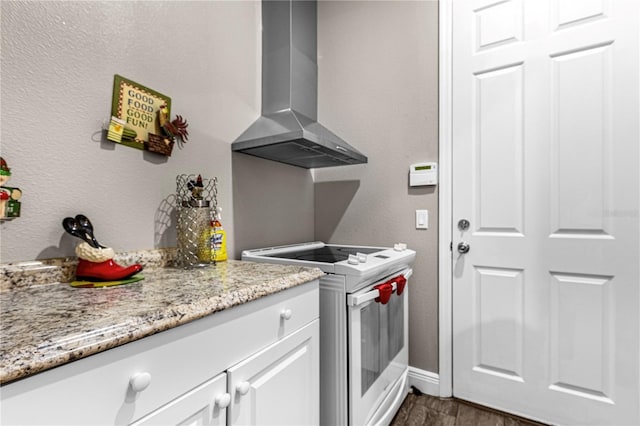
(46, 325)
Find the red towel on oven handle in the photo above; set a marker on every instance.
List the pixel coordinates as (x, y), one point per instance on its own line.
(401, 282)
(385, 290)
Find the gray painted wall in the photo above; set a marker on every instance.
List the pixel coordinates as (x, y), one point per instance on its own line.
(377, 89)
(58, 62)
(273, 203)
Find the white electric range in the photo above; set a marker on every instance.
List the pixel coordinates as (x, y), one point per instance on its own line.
(363, 326)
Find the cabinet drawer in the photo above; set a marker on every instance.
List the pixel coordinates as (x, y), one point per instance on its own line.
(97, 390)
(284, 317)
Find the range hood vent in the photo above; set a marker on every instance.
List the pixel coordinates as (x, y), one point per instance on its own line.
(288, 130)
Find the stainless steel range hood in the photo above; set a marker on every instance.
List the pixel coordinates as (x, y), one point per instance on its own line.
(288, 130)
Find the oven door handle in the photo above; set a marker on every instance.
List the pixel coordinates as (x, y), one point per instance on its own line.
(357, 300)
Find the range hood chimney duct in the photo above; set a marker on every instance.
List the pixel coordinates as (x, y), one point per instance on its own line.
(288, 130)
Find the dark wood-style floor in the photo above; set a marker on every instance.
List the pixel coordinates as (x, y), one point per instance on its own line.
(433, 411)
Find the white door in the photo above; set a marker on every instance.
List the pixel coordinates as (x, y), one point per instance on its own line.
(280, 385)
(545, 162)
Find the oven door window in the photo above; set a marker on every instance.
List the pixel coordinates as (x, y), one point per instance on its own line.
(381, 338)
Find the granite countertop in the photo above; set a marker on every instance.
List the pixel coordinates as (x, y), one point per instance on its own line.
(47, 325)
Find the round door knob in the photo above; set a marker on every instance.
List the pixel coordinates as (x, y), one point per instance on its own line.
(140, 381)
(223, 400)
(286, 314)
(243, 388)
(463, 247)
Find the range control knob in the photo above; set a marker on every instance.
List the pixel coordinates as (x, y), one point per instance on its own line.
(399, 246)
(362, 258)
(353, 259)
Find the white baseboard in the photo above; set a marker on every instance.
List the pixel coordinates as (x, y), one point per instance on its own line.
(425, 381)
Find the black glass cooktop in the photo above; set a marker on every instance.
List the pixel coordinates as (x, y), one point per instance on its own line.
(327, 254)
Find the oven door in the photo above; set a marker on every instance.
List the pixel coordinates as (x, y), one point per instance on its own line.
(378, 350)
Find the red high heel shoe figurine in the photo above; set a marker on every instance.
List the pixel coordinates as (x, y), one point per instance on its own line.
(95, 262)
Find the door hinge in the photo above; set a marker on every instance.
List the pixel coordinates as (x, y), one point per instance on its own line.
(451, 246)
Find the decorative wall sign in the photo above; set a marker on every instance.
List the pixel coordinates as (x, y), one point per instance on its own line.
(140, 118)
(137, 106)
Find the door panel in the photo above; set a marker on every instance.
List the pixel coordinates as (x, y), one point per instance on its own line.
(580, 156)
(568, 12)
(497, 24)
(499, 321)
(545, 162)
(498, 149)
(581, 335)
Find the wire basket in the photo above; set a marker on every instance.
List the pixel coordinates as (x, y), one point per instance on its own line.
(197, 201)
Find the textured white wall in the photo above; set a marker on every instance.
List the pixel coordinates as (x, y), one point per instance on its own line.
(58, 62)
(378, 89)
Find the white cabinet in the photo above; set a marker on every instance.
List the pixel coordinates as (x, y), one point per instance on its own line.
(176, 376)
(279, 385)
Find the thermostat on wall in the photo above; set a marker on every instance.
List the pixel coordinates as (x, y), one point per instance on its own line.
(423, 174)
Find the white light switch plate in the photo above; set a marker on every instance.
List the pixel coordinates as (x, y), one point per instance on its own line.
(422, 219)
